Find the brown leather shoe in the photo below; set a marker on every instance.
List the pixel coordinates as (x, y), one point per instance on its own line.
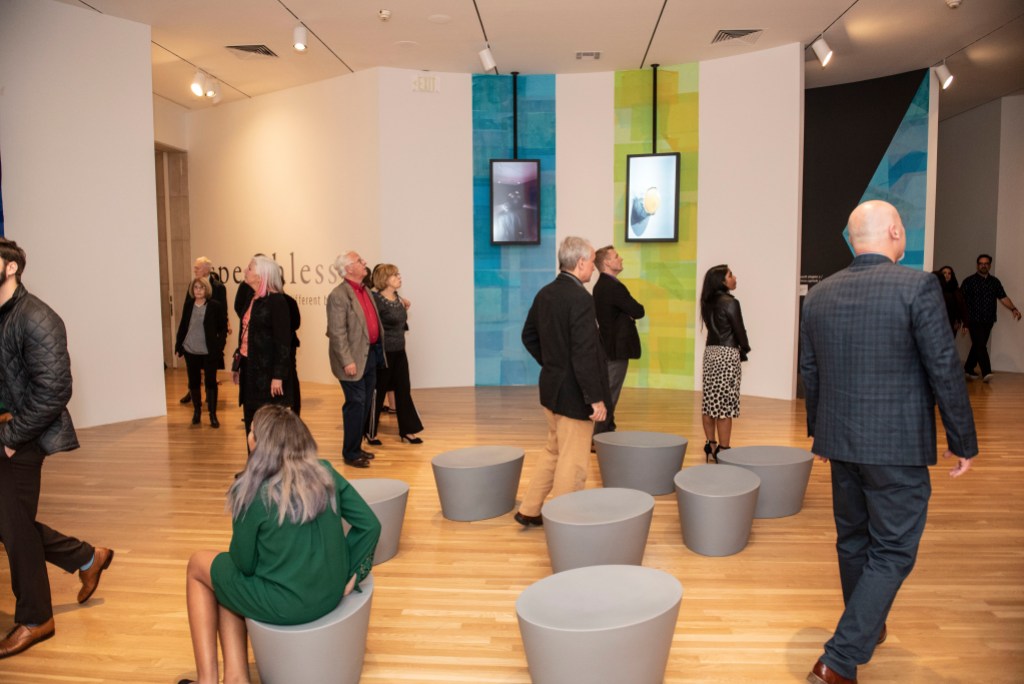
(359, 462)
(821, 674)
(883, 635)
(91, 577)
(23, 637)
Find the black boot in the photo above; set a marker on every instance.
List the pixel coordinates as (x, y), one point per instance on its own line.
(197, 409)
(187, 398)
(214, 423)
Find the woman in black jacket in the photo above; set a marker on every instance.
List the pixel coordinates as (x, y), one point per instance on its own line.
(264, 342)
(726, 347)
(202, 332)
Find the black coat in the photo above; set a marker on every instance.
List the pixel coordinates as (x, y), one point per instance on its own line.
(35, 376)
(617, 313)
(725, 324)
(561, 333)
(269, 352)
(215, 327)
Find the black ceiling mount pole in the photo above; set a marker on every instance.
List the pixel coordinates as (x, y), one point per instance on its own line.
(515, 115)
(654, 109)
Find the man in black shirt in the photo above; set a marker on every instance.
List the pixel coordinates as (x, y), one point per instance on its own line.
(981, 292)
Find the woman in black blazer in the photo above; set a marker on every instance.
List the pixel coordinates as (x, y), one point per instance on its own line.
(264, 342)
(202, 332)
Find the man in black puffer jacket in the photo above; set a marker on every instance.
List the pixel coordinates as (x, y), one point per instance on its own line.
(35, 386)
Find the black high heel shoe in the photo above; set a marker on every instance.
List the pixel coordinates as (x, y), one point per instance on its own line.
(410, 439)
(710, 451)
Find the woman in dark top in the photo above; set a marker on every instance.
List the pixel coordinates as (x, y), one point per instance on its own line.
(264, 342)
(956, 305)
(290, 561)
(726, 347)
(394, 374)
(202, 332)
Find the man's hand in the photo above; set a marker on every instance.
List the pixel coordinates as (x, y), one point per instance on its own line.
(9, 451)
(599, 412)
(962, 464)
(823, 459)
(276, 388)
(350, 370)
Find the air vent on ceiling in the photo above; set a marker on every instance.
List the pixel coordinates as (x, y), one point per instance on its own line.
(748, 36)
(250, 51)
(591, 54)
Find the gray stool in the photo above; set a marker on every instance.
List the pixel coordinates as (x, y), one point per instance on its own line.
(387, 499)
(597, 527)
(716, 508)
(477, 483)
(640, 460)
(602, 624)
(328, 650)
(784, 472)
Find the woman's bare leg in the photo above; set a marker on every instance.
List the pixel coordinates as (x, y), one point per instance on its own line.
(234, 647)
(709, 427)
(202, 615)
(724, 431)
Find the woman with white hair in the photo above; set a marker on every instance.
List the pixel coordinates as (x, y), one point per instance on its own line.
(262, 366)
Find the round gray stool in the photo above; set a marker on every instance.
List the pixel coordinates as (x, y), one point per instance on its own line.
(387, 499)
(602, 624)
(477, 483)
(597, 527)
(716, 508)
(328, 650)
(784, 472)
(640, 460)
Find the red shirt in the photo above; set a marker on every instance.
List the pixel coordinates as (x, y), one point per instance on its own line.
(372, 325)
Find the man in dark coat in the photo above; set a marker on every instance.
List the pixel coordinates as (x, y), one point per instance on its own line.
(617, 313)
(981, 292)
(876, 356)
(561, 333)
(35, 386)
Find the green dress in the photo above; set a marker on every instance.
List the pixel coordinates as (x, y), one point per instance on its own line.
(289, 574)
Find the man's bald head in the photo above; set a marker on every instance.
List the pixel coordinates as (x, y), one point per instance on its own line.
(875, 227)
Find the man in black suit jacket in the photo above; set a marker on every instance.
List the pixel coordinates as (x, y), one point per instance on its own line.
(617, 313)
(875, 357)
(561, 333)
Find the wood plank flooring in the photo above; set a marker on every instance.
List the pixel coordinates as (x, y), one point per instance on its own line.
(444, 608)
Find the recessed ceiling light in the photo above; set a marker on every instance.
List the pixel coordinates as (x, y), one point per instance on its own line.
(406, 43)
(439, 18)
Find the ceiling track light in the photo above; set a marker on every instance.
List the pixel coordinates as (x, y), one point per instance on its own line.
(822, 51)
(487, 59)
(944, 75)
(300, 38)
(198, 86)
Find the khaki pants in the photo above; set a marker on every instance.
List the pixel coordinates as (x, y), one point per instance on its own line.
(562, 466)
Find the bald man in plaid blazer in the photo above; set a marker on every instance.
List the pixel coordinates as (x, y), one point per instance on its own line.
(875, 357)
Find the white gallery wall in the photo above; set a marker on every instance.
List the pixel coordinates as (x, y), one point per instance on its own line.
(1008, 335)
(749, 202)
(367, 162)
(76, 134)
(980, 209)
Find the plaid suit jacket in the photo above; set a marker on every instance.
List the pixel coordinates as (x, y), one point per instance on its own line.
(875, 357)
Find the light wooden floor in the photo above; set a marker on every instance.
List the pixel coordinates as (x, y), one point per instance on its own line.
(444, 607)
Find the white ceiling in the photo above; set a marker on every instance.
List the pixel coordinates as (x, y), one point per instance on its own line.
(983, 40)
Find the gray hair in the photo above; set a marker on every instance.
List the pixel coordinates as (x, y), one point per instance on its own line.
(571, 251)
(269, 272)
(343, 261)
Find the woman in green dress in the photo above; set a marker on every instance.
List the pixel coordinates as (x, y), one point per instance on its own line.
(289, 561)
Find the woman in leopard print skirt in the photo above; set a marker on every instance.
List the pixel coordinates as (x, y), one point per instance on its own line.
(726, 348)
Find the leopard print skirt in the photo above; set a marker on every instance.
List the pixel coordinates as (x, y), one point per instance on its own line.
(722, 371)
